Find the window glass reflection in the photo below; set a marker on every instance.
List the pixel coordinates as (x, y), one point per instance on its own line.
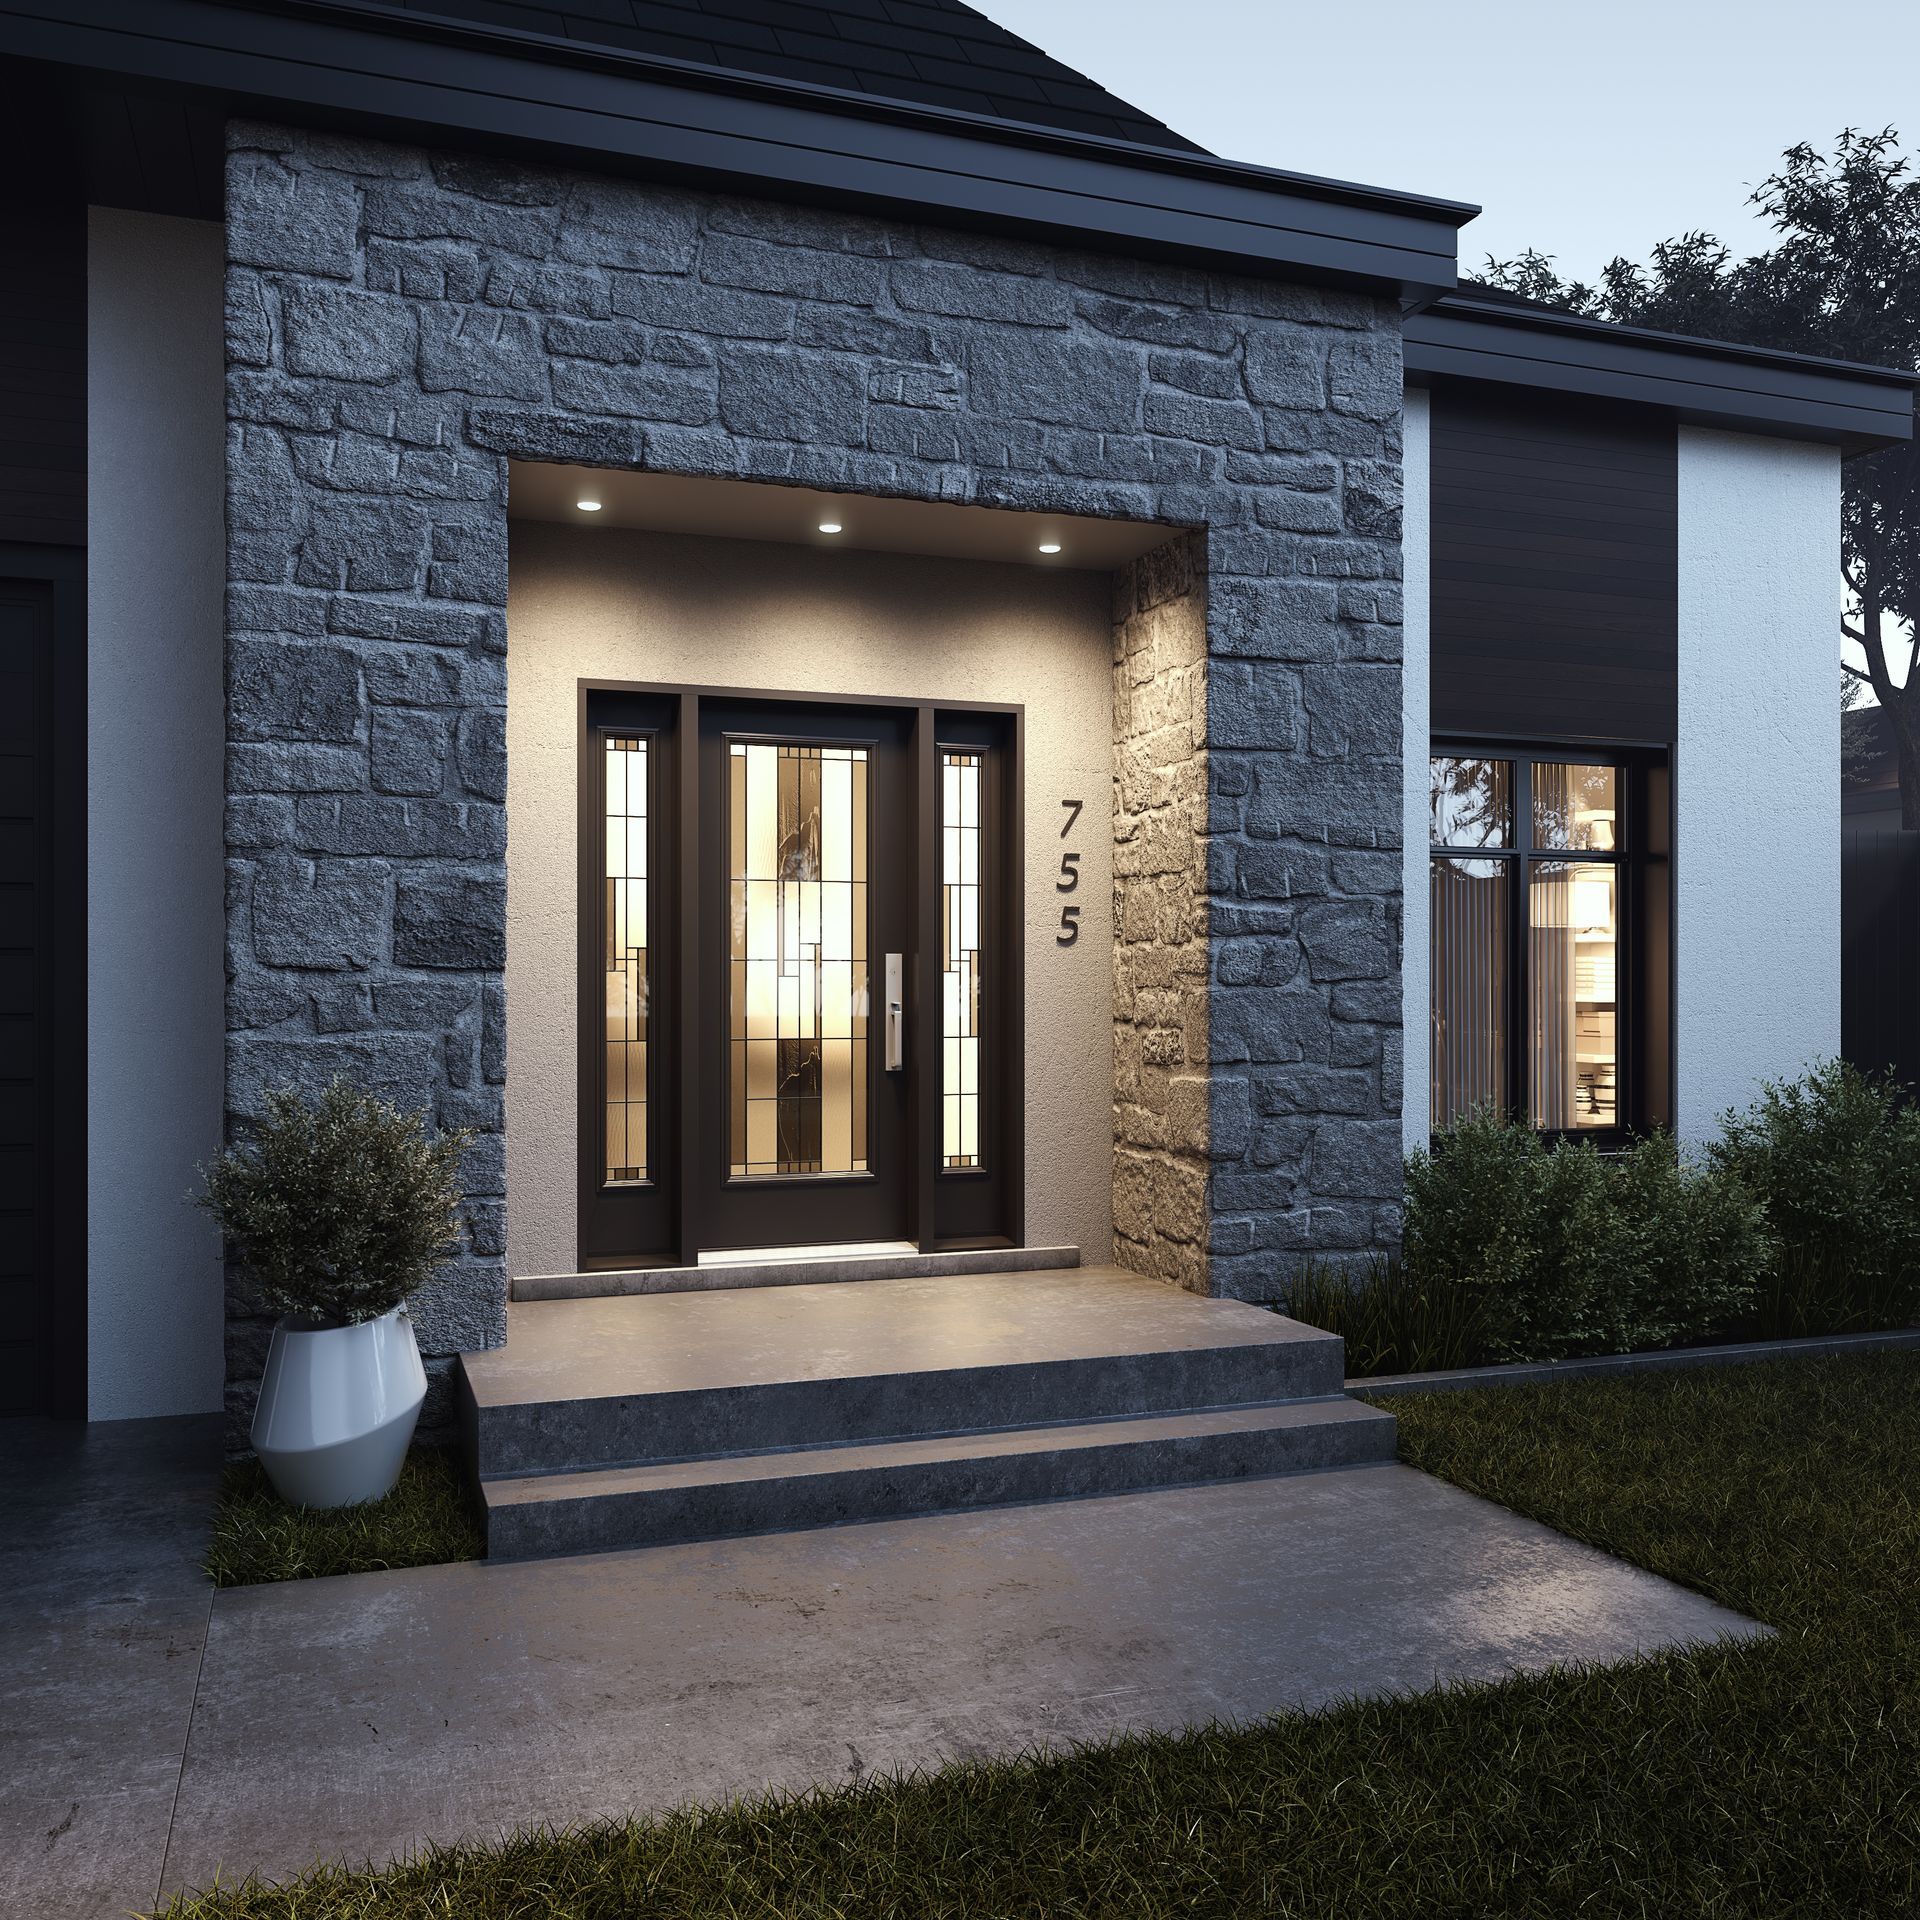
(1471, 802)
(1576, 806)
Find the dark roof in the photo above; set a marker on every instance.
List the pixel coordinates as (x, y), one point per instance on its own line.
(933, 52)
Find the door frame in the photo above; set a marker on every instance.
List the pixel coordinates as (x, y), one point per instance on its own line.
(947, 1208)
(61, 1036)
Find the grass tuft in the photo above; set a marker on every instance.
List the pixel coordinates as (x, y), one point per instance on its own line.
(1762, 1781)
(426, 1520)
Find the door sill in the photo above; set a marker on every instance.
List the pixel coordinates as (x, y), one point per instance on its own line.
(817, 1266)
(777, 1256)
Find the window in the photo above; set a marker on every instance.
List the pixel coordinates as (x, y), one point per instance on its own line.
(1529, 881)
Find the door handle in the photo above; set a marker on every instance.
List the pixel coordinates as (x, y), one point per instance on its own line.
(896, 1016)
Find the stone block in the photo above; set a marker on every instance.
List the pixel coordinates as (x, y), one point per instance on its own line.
(357, 822)
(1347, 940)
(533, 287)
(1157, 326)
(1286, 369)
(283, 690)
(1185, 416)
(1254, 704)
(613, 223)
(305, 222)
(808, 273)
(364, 546)
(483, 352)
(450, 920)
(1364, 376)
(1357, 1159)
(1031, 375)
(483, 752)
(288, 767)
(684, 396)
(968, 293)
(469, 563)
(336, 334)
(813, 398)
(690, 306)
(324, 914)
(248, 323)
(409, 750)
(408, 210)
(402, 1068)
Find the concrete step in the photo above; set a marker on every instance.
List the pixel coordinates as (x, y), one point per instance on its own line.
(585, 1384)
(671, 1501)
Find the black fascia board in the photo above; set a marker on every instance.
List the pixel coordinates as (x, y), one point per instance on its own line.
(1704, 382)
(413, 77)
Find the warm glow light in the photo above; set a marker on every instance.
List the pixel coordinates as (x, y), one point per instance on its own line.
(588, 506)
(829, 526)
(1049, 546)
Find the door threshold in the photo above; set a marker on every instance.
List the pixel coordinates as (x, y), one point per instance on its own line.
(788, 1267)
(774, 1256)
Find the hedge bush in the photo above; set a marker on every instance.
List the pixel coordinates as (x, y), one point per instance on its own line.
(1803, 1217)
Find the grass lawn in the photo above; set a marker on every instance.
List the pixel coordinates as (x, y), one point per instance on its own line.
(427, 1518)
(1780, 1778)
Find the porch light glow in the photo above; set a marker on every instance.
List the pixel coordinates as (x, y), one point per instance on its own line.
(829, 526)
(588, 506)
(1049, 546)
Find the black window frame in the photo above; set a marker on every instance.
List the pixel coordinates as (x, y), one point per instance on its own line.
(1642, 1041)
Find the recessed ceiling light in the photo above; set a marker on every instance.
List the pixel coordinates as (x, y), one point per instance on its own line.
(1049, 546)
(829, 526)
(588, 506)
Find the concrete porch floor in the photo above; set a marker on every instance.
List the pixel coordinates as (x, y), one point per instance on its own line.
(153, 1733)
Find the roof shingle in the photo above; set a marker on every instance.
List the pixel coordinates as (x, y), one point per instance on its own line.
(931, 52)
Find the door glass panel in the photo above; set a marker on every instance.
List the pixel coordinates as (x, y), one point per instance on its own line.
(624, 922)
(1573, 935)
(1575, 806)
(1471, 903)
(1471, 801)
(961, 885)
(797, 992)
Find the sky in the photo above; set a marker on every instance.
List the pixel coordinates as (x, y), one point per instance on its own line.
(1584, 131)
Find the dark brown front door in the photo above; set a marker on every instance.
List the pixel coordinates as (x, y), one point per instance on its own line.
(807, 880)
(800, 986)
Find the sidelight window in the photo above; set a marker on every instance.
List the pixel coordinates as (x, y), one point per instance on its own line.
(961, 896)
(624, 932)
(1527, 885)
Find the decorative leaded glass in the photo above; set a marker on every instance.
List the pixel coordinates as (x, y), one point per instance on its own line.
(798, 987)
(960, 958)
(625, 927)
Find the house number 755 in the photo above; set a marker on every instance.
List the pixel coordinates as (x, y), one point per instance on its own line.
(1069, 879)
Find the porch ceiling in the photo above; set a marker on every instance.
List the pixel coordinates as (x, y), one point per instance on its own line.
(754, 510)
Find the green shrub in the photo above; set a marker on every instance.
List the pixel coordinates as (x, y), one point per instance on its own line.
(341, 1207)
(1691, 1245)
(1571, 1251)
(1835, 1160)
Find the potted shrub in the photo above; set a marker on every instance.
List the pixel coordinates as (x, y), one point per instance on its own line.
(341, 1208)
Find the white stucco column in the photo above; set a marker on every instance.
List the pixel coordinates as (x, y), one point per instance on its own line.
(1756, 769)
(156, 542)
(1415, 731)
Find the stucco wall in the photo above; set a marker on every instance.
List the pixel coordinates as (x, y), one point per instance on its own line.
(1416, 682)
(154, 787)
(618, 605)
(1757, 803)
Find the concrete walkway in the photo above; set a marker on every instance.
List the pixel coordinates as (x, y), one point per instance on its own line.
(153, 1733)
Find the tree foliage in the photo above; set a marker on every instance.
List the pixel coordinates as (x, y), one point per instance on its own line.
(1843, 280)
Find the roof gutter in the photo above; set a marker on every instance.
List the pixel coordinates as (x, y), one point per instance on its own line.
(1715, 383)
(416, 77)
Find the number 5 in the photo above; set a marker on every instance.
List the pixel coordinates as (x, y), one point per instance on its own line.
(1069, 873)
(1069, 927)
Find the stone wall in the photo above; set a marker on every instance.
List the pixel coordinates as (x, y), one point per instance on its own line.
(400, 324)
(1161, 955)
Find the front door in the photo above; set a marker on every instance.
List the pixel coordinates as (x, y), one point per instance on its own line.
(806, 897)
(800, 975)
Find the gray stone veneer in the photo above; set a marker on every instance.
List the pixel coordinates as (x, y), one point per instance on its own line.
(401, 323)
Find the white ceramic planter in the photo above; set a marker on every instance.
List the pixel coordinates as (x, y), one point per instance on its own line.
(337, 1409)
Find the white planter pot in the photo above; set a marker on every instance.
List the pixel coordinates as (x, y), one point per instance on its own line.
(337, 1409)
